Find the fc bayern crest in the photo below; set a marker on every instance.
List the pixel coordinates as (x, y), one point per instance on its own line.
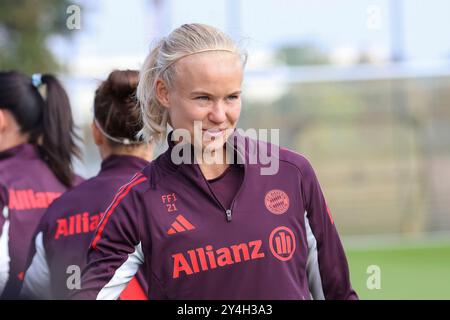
(277, 201)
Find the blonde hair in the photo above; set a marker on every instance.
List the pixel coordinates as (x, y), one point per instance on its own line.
(184, 41)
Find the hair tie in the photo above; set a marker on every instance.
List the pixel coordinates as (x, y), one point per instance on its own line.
(124, 141)
(36, 79)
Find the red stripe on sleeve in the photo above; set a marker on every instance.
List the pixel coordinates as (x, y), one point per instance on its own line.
(119, 196)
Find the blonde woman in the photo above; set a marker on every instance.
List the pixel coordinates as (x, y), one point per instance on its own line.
(215, 229)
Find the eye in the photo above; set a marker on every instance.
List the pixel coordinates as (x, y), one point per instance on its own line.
(203, 98)
(233, 97)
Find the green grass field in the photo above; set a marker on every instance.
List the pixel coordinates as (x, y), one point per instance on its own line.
(407, 272)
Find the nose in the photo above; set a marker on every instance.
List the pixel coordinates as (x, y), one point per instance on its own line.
(218, 112)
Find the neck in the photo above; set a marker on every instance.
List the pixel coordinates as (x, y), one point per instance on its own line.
(10, 140)
(213, 164)
(144, 152)
(211, 171)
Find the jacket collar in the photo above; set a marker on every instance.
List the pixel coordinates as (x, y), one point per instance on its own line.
(22, 151)
(121, 162)
(236, 146)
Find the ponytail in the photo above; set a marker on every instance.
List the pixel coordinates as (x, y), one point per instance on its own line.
(154, 116)
(47, 119)
(58, 131)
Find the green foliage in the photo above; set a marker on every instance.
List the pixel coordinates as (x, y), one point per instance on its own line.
(302, 54)
(25, 28)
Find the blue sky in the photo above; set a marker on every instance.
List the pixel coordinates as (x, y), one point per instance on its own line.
(112, 27)
(118, 34)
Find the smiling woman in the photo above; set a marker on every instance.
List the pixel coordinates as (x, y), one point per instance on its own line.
(215, 230)
(194, 79)
(205, 63)
(203, 97)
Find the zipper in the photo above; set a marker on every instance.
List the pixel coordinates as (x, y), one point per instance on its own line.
(228, 212)
(237, 194)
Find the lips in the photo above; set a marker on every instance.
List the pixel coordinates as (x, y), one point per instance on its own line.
(214, 132)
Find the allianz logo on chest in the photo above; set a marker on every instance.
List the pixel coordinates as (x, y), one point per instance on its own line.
(281, 244)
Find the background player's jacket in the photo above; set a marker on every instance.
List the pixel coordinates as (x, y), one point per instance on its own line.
(276, 241)
(30, 187)
(62, 239)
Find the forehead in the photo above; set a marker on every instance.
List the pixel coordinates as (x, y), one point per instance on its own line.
(209, 70)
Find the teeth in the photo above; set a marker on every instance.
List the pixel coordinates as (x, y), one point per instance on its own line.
(214, 133)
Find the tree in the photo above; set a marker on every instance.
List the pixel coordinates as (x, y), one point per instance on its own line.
(302, 54)
(25, 28)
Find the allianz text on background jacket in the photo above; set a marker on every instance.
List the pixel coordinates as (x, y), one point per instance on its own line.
(276, 241)
(65, 232)
(30, 188)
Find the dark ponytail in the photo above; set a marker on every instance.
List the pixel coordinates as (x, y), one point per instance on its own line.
(48, 120)
(58, 131)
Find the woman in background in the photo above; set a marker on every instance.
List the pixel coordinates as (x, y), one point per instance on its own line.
(65, 232)
(37, 145)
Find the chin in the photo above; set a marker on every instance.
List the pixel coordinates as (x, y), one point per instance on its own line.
(214, 145)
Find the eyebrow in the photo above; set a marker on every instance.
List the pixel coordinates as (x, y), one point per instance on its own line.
(200, 93)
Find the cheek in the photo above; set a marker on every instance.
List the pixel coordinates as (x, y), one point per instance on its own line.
(234, 113)
(184, 113)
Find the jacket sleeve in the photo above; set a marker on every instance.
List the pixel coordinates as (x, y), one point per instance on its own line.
(327, 268)
(4, 242)
(3, 207)
(115, 253)
(36, 283)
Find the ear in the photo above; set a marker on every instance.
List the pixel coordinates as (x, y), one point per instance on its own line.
(162, 93)
(2, 120)
(99, 139)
